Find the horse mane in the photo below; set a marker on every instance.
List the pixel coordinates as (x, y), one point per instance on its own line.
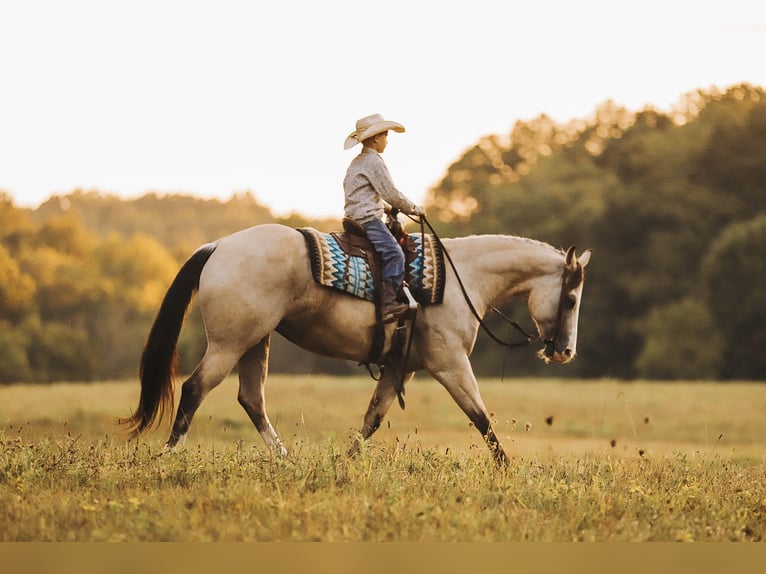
(519, 238)
(537, 242)
(572, 279)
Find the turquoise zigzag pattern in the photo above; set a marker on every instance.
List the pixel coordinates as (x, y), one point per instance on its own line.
(333, 267)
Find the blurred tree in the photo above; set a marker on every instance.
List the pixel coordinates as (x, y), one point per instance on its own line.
(15, 223)
(17, 289)
(14, 362)
(67, 235)
(685, 343)
(733, 272)
(138, 269)
(59, 352)
(135, 274)
(67, 287)
(179, 222)
(733, 162)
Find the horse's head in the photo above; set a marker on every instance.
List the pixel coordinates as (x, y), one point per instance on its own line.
(554, 304)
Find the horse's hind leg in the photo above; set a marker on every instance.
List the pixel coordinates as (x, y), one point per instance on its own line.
(382, 397)
(211, 370)
(253, 369)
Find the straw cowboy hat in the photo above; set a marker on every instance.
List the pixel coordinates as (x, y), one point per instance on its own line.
(370, 126)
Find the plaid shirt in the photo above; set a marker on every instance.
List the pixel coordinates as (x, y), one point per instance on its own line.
(367, 185)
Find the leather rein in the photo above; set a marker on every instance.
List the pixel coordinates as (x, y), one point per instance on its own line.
(530, 338)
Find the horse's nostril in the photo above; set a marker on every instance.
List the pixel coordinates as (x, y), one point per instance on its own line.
(568, 353)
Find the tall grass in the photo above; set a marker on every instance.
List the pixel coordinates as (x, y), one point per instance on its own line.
(687, 464)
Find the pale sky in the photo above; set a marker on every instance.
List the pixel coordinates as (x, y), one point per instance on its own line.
(220, 97)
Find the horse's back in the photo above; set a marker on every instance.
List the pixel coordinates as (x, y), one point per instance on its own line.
(270, 244)
(262, 238)
(258, 269)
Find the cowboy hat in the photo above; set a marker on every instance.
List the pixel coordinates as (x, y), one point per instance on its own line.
(370, 126)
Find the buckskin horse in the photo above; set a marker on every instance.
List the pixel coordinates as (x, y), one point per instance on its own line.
(259, 280)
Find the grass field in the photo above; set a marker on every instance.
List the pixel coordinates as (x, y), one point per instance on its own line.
(591, 461)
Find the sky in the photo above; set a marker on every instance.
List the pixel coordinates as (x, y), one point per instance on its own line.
(222, 97)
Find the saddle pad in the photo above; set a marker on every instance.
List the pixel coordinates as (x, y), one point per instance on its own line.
(333, 267)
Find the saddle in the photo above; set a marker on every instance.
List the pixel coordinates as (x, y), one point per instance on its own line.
(346, 261)
(354, 242)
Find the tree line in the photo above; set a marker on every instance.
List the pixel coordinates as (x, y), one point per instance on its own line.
(674, 206)
(672, 203)
(82, 277)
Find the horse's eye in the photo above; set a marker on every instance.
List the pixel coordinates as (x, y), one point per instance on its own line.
(571, 302)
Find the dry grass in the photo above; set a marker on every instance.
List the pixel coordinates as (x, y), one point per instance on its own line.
(687, 463)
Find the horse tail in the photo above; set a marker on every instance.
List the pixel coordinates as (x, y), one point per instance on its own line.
(159, 360)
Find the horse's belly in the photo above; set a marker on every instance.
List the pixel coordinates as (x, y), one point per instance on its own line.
(344, 333)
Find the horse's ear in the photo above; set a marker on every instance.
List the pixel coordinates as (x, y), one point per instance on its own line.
(585, 257)
(570, 255)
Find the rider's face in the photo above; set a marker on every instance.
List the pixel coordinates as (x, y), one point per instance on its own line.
(380, 141)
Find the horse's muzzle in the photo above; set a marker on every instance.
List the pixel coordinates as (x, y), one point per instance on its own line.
(548, 353)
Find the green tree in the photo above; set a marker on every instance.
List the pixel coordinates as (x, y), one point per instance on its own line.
(16, 224)
(135, 273)
(68, 287)
(734, 272)
(59, 352)
(179, 222)
(17, 289)
(14, 362)
(658, 225)
(682, 342)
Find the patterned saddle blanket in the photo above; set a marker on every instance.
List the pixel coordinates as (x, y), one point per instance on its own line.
(348, 263)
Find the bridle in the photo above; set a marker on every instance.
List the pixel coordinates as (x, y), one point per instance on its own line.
(550, 343)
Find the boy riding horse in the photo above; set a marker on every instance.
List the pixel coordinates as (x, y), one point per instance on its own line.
(367, 186)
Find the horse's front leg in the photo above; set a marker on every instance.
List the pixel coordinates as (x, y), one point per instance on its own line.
(456, 375)
(382, 397)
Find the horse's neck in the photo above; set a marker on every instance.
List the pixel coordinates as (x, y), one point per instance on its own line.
(500, 267)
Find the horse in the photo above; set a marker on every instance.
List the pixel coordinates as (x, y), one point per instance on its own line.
(259, 280)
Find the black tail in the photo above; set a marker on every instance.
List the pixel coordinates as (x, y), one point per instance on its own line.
(160, 358)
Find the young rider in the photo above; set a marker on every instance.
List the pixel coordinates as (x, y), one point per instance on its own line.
(368, 188)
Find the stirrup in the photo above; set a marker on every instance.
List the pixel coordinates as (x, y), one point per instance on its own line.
(412, 305)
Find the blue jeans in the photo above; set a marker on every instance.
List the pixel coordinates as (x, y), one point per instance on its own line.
(389, 250)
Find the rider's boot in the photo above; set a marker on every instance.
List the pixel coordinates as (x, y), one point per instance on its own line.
(391, 307)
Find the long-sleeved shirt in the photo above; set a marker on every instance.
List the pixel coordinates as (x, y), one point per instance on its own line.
(367, 185)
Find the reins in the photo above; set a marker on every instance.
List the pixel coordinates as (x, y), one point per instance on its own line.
(515, 324)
